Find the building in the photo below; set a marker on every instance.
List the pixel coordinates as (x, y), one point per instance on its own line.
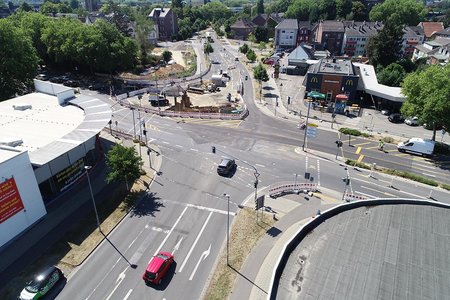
(412, 36)
(430, 28)
(443, 33)
(429, 48)
(242, 28)
(286, 34)
(304, 32)
(441, 56)
(330, 34)
(333, 77)
(299, 60)
(46, 139)
(356, 37)
(166, 23)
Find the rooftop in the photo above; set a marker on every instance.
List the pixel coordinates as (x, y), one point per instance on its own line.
(288, 24)
(373, 252)
(431, 27)
(334, 66)
(331, 26)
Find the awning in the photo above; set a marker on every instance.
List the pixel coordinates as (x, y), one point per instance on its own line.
(316, 95)
(341, 97)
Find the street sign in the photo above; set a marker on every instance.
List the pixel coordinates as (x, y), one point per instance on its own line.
(311, 132)
(259, 202)
(307, 175)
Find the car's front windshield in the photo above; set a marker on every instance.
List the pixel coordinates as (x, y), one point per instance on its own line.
(34, 285)
(150, 275)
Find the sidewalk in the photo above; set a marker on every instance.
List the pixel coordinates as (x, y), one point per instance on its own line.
(292, 211)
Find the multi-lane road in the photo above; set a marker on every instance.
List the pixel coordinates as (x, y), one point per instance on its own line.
(185, 211)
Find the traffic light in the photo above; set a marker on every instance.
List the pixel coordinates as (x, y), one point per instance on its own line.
(289, 100)
(255, 184)
(339, 143)
(346, 180)
(213, 149)
(144, 132)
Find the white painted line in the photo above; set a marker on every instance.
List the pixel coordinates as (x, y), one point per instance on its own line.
(427, 174)
(177, 246)
(262, 166)
(195, 242)
(196, 150)
(202, 258)
(179, 146)
(170, 232)
(378, 191)
(128, 294)
(318, 172)
(224, 212)
(158, 229)
(118, 281)
(367, 195)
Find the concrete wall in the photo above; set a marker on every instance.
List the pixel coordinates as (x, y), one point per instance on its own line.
(19, 167)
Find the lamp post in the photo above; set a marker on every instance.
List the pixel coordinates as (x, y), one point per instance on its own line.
(134, 124)
(92, 196)
(306, 127)
(228, 227)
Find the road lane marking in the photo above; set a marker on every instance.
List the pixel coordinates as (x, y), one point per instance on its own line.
(177, 246)
(128, 294)
(318, 172)
(358, 150)
(262, 166)
(195, 242)
(427, 174)
(361, 144)
(171, 230)
(118, 282)
(192, 149)
(367, 195)
(202, 258)
(378, 191)
(360, 158)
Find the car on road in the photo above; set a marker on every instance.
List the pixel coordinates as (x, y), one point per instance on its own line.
(226, 166)
(413, 121)
(158, 268)
(396, 118)
(42, 283)
(417, 146)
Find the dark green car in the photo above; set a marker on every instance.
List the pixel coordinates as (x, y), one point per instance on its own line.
(41, 284)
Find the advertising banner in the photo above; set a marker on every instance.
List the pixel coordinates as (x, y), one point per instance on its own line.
(10, 201)
(68, 176)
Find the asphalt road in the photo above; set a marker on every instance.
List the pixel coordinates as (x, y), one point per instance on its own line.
(186, 213)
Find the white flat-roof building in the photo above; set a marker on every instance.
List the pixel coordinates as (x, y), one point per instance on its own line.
(46, 139)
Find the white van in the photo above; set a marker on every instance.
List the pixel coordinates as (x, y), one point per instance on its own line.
(417, 146)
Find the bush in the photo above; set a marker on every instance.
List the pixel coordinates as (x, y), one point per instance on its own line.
(354, 163)
(350, 131)
(445, 186)
(411, 176)
(388, 139)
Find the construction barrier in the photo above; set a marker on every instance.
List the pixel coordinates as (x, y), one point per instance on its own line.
(352, 197)
(290, 188)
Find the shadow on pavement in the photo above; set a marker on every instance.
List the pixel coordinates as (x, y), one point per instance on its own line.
(246, 278)
(148, 205)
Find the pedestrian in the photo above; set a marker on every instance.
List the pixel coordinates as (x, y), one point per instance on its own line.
(381, 145)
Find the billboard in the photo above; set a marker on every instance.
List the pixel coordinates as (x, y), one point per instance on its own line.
(10, 201)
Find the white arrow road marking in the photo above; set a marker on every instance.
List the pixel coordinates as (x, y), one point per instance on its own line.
(177, 246)
(202, 258)
(170, 232)
(195, 242)
(128, 294)
(118, 281)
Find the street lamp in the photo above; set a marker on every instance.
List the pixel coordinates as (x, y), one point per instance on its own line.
(306, 127)
(92, 196)
(228, 227)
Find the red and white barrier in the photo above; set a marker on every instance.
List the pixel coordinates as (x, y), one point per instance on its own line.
(352, 197)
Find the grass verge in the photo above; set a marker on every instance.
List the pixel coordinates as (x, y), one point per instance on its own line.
(245, 234)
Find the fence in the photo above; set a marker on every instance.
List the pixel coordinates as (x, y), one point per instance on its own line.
(352, 197)
(280, 189)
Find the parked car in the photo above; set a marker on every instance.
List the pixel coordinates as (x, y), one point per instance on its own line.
(429, 126)
(158, 267)
(385, 112)
(42, 283)
(417, 146)
(413, 121)
(271, 60)
(42, 76)
(226, 166)
(396, 118)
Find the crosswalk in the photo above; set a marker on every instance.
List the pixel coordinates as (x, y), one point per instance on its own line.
(210, 122)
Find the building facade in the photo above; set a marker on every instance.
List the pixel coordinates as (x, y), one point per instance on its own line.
(166, 23)
(330, 34)
(356, 37)
(286, 34)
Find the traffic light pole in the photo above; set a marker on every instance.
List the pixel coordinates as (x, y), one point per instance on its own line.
(255, 171)
(306, 127)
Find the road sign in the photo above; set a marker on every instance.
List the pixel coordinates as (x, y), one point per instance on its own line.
(259, 202)
(307, 175)
(311, 132)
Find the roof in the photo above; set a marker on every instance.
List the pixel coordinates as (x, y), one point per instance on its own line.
(369, 82)
(364, 29)
(445, 31)
(243, 23)
(331, 26)
(288, 24)
(431, 27)
(304, 24)
(416, 29)
(160, 12)
(56, 122)
(298, 54)
(336, 66)
(442, 41)
(372, 252)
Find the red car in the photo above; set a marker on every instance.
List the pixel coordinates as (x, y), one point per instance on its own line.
(158, 267)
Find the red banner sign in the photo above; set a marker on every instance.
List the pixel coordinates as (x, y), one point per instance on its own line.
(10, 201)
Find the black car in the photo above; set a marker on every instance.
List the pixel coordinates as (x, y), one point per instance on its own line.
(226, 166)
(42, 283)
(396, 118)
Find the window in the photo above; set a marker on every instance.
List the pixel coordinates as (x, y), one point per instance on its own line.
(283, 31)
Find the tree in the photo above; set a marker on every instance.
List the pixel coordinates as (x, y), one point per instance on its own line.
(300, 9)
(251, 37)
(427, 96)
(358, 12)
(124, 164)
(260, 7)
(74, 4)
(208, 49)
(384, 48)
(392, 75)
(261, 34)
(24, 7)
(167, 55)
(19, 60)
(343, 8)
(260, 73)
(143, 27)
(401, 12)
(244, 48)
(251, 55)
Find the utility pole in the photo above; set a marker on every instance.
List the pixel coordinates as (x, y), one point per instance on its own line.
(306, 127)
